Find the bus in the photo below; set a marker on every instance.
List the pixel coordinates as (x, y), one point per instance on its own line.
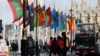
(85, 39)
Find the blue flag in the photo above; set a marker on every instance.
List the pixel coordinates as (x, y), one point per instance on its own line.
(31, 9)
(43, 8)
(54, 25)
(54, 16)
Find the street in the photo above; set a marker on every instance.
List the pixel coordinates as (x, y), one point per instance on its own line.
(45, 54)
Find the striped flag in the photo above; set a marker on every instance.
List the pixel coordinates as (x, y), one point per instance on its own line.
(17, 9)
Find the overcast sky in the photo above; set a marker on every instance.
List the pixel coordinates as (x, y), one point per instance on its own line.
(6, 14)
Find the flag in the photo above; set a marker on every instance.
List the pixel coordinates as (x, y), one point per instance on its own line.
(49, 21)
(62, 23)
(27, 14)
(31, 9)
(54, 16)
(65, 16)
(48, 15)
(73, 24)
(36, 15)
(17, 9)
(26, 22)
(48, 11)
(35, 19)
(45, 16)
(54, 24)
(43, 8)
(69, 25)
(41, 17)
(31, 19)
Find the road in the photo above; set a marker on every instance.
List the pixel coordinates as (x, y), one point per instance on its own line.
(45, 54)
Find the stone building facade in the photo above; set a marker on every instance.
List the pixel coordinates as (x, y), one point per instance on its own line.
(86, 13)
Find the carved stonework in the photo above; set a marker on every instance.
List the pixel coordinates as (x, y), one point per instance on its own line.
(86, 13)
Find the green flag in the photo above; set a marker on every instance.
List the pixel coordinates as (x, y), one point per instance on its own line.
(17, 9)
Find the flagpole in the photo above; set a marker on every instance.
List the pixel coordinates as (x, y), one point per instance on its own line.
(37, 52)
(24, 33)
(54, 28)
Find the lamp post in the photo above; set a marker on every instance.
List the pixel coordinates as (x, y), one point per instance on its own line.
(88, 18)
(71, 24)
(96, 24)
(71, 29)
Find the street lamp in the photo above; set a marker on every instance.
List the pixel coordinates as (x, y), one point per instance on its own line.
(88, 18)
(71, 29)
(71, 24)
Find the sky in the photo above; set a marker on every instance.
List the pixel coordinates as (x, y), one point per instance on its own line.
(7, 16)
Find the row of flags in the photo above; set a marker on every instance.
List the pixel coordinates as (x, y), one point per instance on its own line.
(39, 16)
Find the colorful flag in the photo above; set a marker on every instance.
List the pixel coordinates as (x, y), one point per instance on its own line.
(26, 15)
(54, 16)
(73, 24)
(48, 19)
(62, 23)
(31, 19)
(54, 24)
(17, 9)
(43, 8)
(69, 25)
(31, 9)
(65, 16)
(48, 11)
(26, 22)
(35, 19)
(41, 17)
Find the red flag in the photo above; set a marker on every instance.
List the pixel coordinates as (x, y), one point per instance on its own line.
(41, 17)
(49, 19)
(48, 12)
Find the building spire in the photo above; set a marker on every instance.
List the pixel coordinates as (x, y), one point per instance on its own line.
(84, 4)
(73, 5)
(98, 4)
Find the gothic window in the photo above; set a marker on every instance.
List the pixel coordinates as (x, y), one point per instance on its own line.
(84, 11)
(94, 19)
(92, 11)
(77, 11)
(85, 19)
